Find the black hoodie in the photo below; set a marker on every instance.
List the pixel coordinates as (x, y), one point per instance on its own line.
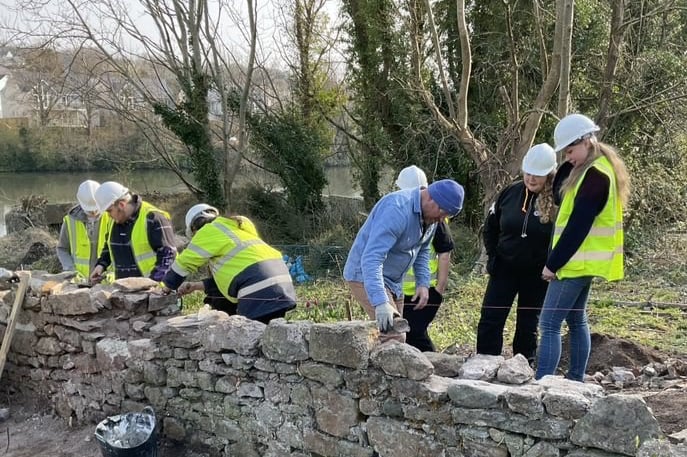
(513, 235)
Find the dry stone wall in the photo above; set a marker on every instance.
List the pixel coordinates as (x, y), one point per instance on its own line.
(237, 387)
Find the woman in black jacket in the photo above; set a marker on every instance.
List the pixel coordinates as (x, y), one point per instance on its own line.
(517, 235)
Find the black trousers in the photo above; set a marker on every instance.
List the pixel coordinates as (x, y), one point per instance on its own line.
(420, 319)
(498, 299)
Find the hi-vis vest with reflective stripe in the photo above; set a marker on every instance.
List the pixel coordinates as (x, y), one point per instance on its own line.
(240, 248)
(80, 244)
(140, 246)
(601, 252)
(409, 278)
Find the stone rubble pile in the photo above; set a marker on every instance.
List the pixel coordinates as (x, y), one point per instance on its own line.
(655, 375)
(233, 386)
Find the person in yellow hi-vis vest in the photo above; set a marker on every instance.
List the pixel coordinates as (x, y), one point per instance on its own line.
(249, 277)
(587, 240)
(420, 317)
(140, 239)
(83, 232)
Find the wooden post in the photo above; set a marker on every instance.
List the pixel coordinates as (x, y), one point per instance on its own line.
(349, 313)
(24, 277)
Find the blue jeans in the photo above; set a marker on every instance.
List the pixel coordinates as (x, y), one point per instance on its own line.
(566, 299)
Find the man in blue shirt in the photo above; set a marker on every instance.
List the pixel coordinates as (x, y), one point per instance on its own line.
(396, 236)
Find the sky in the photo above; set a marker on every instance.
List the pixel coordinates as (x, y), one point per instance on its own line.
(18, 17)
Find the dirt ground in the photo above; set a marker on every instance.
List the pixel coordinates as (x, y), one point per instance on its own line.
(28, 434)
(668, 404)
(31, 432)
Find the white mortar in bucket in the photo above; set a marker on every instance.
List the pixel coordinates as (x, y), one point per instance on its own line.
(126, 431)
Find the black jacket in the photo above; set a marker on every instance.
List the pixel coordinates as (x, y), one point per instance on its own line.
(513, 236)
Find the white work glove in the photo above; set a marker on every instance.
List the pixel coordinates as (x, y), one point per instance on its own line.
(385, 316)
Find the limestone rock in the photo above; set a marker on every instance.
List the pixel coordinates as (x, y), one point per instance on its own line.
(402, 360)
(515, 370)
(471, 393)
(343, 343)
(445, 364)
(392, 437)
(617, 423)
(133, 285)
(112, 354)
(481, 367)
(286, 341)
(234, 333)
(72, 302)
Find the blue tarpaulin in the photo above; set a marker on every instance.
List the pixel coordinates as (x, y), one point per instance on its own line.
(296, 269)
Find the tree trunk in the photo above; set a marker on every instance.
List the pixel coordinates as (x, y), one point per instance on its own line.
(232, 161)
(614, 44)
(566, 13)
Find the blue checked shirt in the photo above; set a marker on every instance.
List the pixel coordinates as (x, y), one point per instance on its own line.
(391, 241)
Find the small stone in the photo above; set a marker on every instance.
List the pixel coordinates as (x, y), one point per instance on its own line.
(4, 414)
(650, 371)
(401, 325)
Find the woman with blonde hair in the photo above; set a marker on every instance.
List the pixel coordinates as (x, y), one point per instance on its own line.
(587, 240)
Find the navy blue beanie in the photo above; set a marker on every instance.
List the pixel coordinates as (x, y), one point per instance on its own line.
(448, 194)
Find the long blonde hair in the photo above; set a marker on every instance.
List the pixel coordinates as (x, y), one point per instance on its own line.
(596, 150)
(544, 204)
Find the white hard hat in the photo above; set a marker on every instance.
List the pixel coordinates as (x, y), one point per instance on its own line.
(540, 160)
(201, 209)
(108, 193)
(572, 128)
(411, 177)
(86, 195)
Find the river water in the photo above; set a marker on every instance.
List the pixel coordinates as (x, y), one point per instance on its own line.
(61, 187)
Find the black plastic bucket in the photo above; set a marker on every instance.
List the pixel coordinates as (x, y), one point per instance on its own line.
(128, 435)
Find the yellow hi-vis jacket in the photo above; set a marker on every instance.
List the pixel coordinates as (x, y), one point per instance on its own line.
(409, 278)
(80, 244)
(601, 252)
(228, 249)
(144, 254)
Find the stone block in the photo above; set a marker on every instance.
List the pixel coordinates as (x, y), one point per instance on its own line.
(565, 403)
(131, 302)
(233, 333)
(335, 412)
(286, 341)
(72, 302)
(49, 346)
(447, 365)
(158, 302)
(343, 343)
(393, 437)
(154, 374)
(142, 349)
(470, 393)
(68, 336)
(402, 360)
(616, 423)
(326, 374)
(112, 354)
(173, 429)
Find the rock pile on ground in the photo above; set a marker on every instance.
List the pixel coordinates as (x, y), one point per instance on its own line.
(21, 250)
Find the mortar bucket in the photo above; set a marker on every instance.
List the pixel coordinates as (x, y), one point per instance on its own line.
(128, 435)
